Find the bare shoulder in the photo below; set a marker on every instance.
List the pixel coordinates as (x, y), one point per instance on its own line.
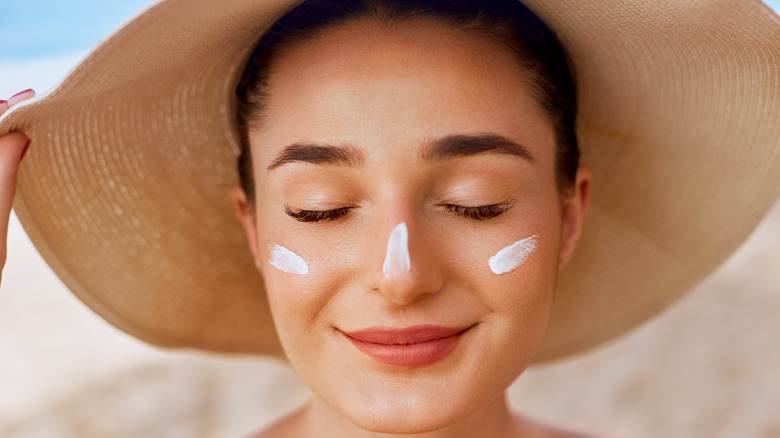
(570, 434)
(538, 429)
(287, 427)
(562, 433)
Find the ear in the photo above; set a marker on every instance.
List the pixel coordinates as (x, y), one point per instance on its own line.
(573, 215)
(248, 220)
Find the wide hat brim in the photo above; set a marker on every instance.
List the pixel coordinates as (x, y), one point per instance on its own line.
(125, 190)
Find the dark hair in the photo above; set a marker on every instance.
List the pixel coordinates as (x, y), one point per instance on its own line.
(507, 22)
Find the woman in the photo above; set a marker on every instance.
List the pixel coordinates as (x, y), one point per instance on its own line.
(410, 191)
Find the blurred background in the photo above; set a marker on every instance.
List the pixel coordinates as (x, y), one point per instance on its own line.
(708, 367)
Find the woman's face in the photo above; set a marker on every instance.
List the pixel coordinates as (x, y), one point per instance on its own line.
(391, 164)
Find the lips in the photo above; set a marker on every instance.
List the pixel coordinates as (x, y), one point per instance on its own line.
(409, 347)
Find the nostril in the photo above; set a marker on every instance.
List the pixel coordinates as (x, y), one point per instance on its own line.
(397, 260)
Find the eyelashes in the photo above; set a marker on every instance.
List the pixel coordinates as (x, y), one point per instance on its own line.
(475, 213)
(478, 213)
(317, 215)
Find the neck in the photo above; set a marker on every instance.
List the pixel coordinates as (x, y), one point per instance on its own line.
(494, 420)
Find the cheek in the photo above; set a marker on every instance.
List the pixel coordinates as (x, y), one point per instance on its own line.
(513, 273)
(302, 273)
(521, 301)
(516, 277)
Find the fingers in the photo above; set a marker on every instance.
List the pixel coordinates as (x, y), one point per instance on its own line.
(16, 98)
(22, 95)
(13, 146)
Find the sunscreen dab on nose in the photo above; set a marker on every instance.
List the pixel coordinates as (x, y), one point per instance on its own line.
(513, 256)
(287, 261)
(397, 260)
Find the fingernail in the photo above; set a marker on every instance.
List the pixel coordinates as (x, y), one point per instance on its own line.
(22, 92)
(3, 105)
(24, 151)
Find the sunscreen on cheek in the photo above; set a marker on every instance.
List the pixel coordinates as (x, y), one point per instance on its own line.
(287, 261)
(514, 255)
(397, 260)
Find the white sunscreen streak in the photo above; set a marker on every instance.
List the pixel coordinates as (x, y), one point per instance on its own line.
(285, 260)
(397, 261)
(514, 255)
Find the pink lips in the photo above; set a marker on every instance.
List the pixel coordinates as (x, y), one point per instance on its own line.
(413, 346)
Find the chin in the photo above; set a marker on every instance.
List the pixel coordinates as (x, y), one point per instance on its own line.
(416, 405)
(408, 417)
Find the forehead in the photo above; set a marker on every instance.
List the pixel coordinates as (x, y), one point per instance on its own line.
(380, 87)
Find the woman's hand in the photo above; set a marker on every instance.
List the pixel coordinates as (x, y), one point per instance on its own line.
(12, 149)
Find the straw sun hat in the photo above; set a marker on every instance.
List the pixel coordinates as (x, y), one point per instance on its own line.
(125, 190)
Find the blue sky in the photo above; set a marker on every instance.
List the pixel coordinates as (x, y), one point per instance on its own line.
(40, 40)
(50, 27)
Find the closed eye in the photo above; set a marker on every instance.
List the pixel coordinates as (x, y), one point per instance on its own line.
(478, 213)
(317, 215)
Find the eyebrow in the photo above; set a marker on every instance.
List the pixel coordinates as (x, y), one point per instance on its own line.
(467, 145)
(439, 149)
(318, 154)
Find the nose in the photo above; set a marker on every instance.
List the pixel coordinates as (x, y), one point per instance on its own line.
(409, 268)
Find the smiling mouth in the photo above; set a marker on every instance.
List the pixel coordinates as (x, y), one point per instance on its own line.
(408, 347)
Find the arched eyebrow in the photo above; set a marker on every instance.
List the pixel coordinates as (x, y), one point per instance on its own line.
(318, 154)
(466, 145)
(439, 149)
